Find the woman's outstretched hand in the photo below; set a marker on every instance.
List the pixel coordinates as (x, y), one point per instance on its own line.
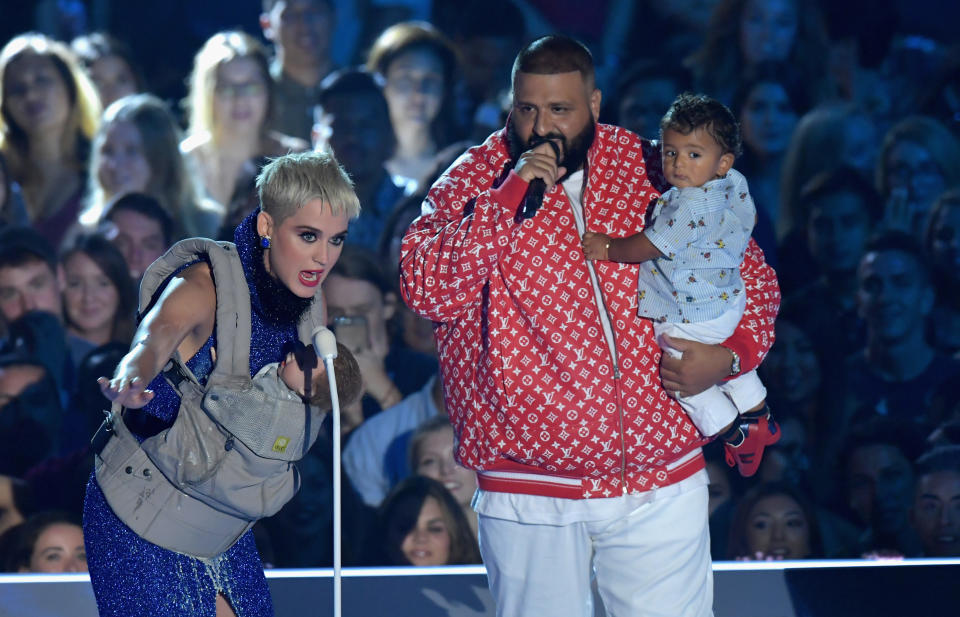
(131, 393)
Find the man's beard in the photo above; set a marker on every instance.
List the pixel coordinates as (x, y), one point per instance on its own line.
(574, 150)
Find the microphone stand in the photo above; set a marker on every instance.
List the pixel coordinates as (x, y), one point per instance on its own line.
(325, 343)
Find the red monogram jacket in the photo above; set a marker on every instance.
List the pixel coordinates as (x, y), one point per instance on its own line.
(541, 402)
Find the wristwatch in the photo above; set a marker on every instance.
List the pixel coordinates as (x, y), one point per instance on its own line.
(734, 363)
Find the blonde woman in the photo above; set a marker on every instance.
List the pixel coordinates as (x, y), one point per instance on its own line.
(49, 111)
(137, 150)
(229, 104)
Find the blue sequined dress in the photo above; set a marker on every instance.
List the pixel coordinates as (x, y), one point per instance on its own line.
(131, 576)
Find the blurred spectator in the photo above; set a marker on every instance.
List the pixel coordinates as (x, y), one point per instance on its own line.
(947, 433)
(794, 375)
(942, 248)
(420, 524)
(396, 225)
(98, 295)
(403, 213)
(419, 66)
(31, 414)
(30, 277)
(724, 488)
(431, 455)
(85, 411)
(936, 504)
(355, 124)
(918, 160)
(31, 305)
(11, 494)
(47, 542)
(941, 97)
(774, 521)
(227, 135)
(745, 33)
(898, 373)
(913, 65)
(840, 207)
(684, 24)
(49, 111)
(644, 93)
(358, 291)
(826, 137)
(487, 35)
(767, 103)
(878, 484)
(13, 211)
(376, 456)
(721, 492)
(788, 460)
(38, 337)
(141, 229)
(110, 65)
(137, 149)
(301, 31)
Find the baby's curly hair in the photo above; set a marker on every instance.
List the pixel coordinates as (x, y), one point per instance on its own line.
(689, 112)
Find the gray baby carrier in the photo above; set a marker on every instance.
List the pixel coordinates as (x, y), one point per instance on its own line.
(227, 460)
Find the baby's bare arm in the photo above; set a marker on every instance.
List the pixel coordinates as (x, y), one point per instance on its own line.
(631, 249)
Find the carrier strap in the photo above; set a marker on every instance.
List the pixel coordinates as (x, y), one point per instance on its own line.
(233, 305)
(233, 308)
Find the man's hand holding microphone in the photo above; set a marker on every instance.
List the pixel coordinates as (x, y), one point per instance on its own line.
(539, 167)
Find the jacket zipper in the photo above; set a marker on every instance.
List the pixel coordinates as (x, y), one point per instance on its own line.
(611, 340)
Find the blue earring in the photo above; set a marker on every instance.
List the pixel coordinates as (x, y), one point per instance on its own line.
(265, 242)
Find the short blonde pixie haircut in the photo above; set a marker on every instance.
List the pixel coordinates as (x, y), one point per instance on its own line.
(288, 182)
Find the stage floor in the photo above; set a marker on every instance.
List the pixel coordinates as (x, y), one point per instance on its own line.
(907, 588)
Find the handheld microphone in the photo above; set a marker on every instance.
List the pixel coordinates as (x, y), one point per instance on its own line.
(533, 198)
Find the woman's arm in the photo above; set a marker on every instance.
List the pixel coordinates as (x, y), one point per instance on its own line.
(181, 320)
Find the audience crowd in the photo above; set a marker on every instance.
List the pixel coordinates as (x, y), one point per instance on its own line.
(851, 129)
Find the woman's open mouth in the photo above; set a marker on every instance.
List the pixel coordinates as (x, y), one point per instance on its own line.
(310, 278)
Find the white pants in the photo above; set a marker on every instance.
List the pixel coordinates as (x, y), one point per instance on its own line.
(717, 406)
(655, 562)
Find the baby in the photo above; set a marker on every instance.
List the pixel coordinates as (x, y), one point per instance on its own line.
(288, 379)
(689, 281)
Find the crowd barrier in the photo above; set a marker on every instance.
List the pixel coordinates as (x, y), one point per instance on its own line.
(812, 588)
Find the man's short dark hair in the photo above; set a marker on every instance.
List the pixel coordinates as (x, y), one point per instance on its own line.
(144, 205)
(554, 54)
(359, 263)
(269, 4)
(22, 245)
(352, 83)
(902, 242)
(943, 458)
(690, 112)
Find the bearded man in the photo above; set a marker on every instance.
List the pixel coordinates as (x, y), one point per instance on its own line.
(553, 383)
